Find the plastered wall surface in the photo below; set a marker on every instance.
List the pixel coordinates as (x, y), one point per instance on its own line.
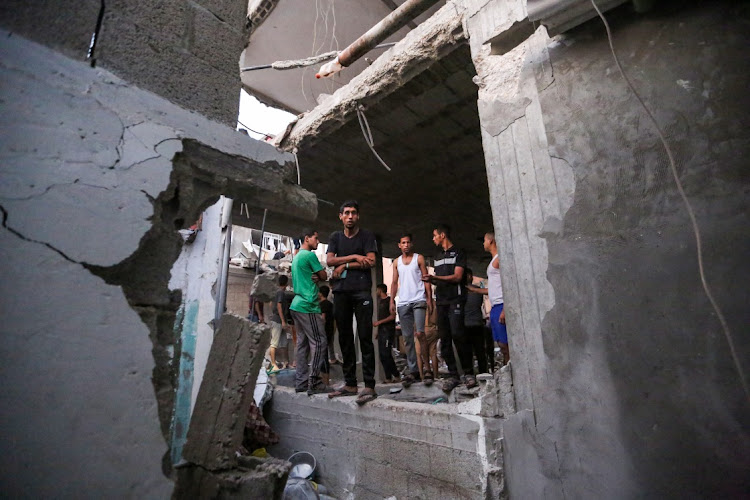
(624, 380)
(97, 176)
(187, 51)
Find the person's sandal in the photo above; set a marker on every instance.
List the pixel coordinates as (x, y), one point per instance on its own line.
(450, 384)
(366, 396)
(342, 391)
(471, 381)
(428, 378)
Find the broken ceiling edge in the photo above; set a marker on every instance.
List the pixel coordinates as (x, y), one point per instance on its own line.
(429, 42)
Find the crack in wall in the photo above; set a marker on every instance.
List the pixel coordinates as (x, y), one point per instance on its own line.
(30, 240)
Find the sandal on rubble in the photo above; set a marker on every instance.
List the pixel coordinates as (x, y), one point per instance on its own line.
(428, 378)
(366, 396)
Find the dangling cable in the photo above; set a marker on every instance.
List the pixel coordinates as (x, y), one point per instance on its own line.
(368, 134)
(698, 243)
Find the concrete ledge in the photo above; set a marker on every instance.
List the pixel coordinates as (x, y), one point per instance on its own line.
(386, 448)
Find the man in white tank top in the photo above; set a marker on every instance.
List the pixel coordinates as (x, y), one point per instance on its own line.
(413, 300)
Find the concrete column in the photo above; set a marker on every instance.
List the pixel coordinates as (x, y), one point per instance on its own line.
(528, 195)
(377, 277)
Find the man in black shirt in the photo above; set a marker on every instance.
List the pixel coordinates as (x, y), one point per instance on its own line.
(450, 294)
(351, 253)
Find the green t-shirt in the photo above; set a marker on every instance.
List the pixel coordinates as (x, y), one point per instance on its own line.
(305, 263)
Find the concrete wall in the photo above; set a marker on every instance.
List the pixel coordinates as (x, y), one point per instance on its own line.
(622, 373)
(238, 291)
(187, 51)
(97, 176)
(386, 448)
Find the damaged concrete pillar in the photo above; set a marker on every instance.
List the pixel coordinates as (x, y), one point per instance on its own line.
(218, 421)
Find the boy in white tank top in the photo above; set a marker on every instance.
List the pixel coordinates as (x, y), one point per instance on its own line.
(414, 298)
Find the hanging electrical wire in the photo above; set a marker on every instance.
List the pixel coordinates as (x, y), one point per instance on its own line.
(255, 131)
(368, 134)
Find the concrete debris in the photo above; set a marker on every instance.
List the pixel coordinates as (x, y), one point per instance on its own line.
(253, 478)
(419, 49)
(266, 285)
(218, 420)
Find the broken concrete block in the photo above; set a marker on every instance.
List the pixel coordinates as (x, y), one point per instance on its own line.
(266, 285)
(218, 420)
(253, 478)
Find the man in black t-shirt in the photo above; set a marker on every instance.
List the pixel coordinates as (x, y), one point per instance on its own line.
(450, 292)
(351, 253)
(386, 332)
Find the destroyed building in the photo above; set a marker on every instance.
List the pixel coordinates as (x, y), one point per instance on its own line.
(628, 379)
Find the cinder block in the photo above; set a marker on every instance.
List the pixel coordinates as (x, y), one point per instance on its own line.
(467, 470)
(232, 12)
(425, 488)
(215, 42)
(166, 21)
(382, 479)
(367, 445)
(440, 463)
(408, 455)
(168, 71)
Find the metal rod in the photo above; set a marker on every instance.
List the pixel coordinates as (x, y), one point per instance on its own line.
(221, 300)
(260, 245)
(95, 35)
(385, 28)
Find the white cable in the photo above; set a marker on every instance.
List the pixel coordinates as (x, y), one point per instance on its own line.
(296, 160)
(368, 134)
(698, 244)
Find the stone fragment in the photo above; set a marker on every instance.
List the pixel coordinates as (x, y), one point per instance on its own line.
(253, 478)
(218, 420)
(266, 285)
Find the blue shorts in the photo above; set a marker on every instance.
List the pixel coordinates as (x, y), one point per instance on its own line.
(499, 332)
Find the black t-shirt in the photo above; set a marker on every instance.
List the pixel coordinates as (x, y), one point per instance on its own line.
(473, 309)
(445, 264)
(384, 310)
(283, 298)
(326, 307)
(360, 244)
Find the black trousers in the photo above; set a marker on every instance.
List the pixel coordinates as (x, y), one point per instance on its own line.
(450, 323)
(346, 306)
(477, 338)
(385, 342)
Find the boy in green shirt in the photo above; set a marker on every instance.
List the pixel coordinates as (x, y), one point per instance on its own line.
(305, 309)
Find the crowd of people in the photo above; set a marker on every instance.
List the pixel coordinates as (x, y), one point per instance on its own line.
(442, 309)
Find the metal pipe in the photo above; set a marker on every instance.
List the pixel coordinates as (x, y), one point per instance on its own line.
(226, 223)
(260, 244)
(309, 61)
(385, 28)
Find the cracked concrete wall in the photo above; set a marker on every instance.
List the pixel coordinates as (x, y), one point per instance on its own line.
(187, 51)
(624, 382)
(97, 176)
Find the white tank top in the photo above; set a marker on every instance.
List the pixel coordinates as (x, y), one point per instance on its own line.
(410, 284)
(494, 284)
